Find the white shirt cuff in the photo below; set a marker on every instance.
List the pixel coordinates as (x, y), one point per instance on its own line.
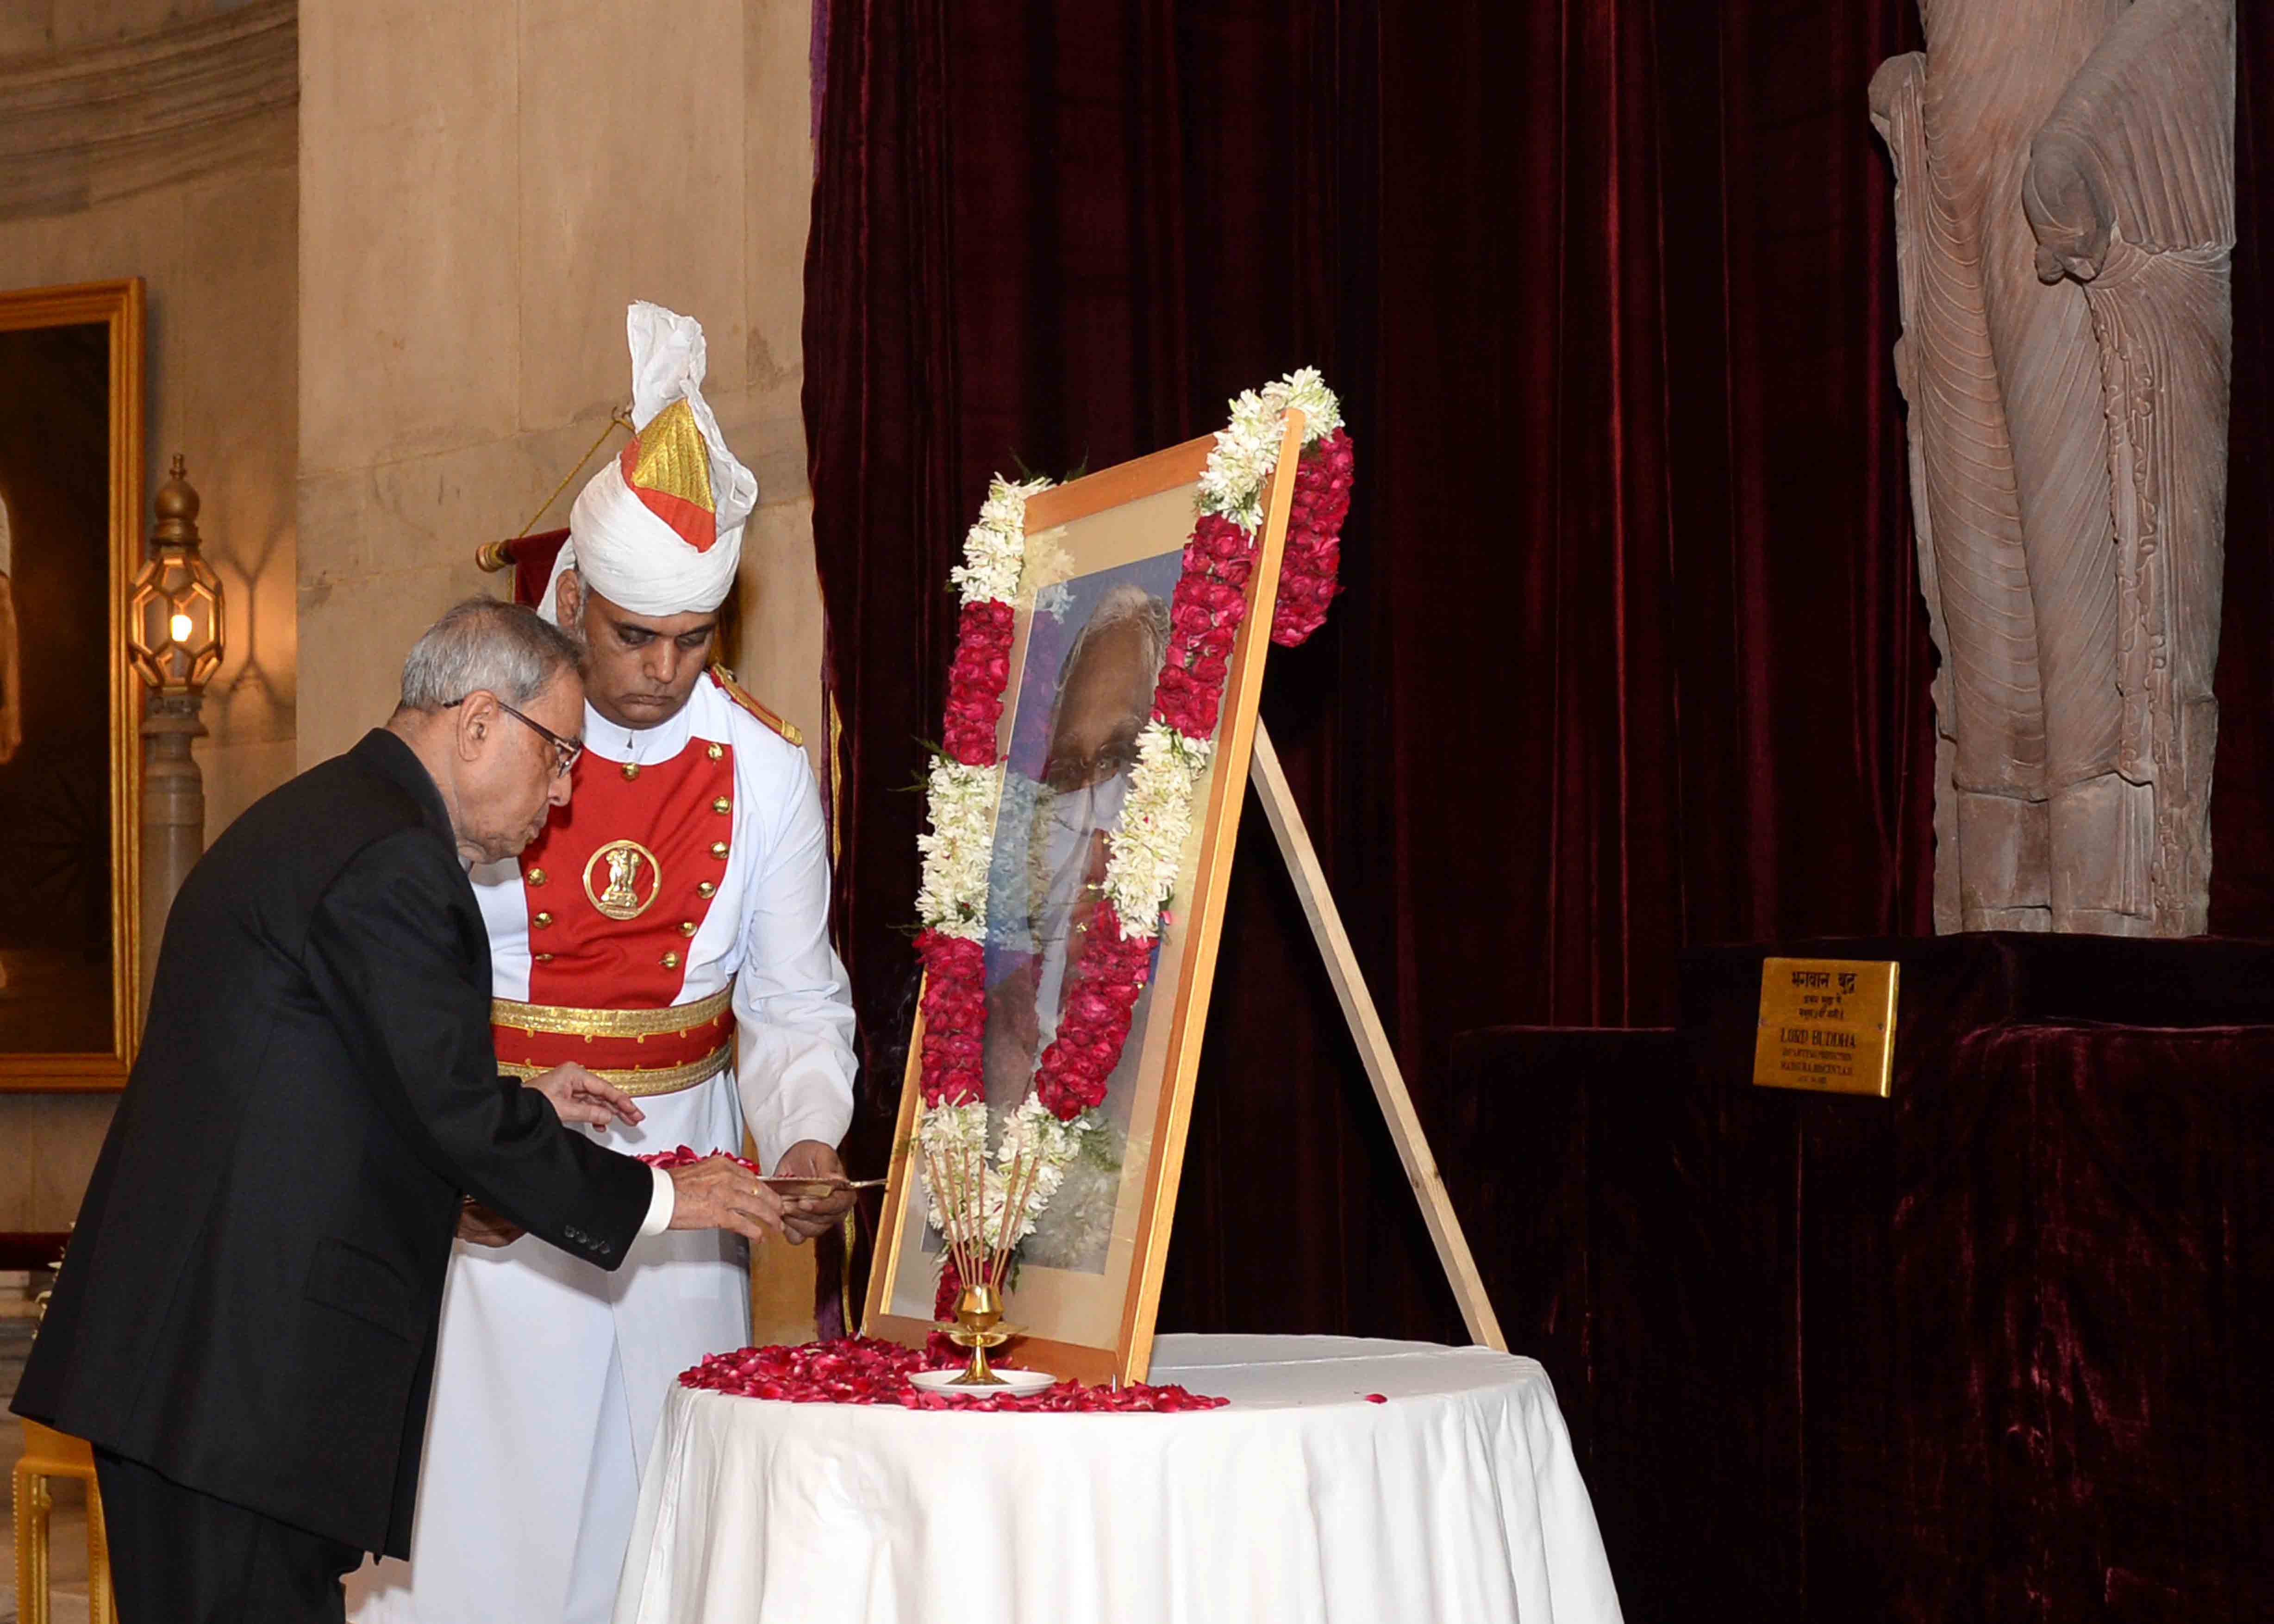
(660, 1206)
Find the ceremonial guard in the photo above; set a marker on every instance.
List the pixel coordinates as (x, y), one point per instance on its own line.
(668, 930)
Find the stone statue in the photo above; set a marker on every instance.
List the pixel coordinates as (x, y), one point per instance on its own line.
(2064, 225)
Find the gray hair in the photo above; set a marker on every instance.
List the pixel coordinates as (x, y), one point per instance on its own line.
(499, 647)
(1126, 603)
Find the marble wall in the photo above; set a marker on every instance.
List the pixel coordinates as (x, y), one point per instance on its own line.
(218, 253)
(483, 190)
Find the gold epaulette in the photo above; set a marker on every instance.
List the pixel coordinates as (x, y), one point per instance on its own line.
(740, 696)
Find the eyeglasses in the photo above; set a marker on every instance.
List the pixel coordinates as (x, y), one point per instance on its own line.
(565, 750)
(1068, 773)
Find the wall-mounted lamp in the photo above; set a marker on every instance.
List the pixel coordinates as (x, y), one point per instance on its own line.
(174, 618)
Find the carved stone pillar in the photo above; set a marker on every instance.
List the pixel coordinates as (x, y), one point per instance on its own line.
(173, 812)
(174, 634)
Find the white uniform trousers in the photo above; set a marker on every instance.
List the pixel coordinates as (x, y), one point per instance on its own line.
(549, 1382)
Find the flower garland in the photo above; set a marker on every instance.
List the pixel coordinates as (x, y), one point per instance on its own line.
(1145, 848)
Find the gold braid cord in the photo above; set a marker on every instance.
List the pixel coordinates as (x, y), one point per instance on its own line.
(493, 556)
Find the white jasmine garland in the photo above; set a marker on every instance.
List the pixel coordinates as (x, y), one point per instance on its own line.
(958, 847)
(1305, 391)
(1241, 463)
(955, 1135)
(1147, 845)
(950, 1131)
(1035, 1131)
(995, 549)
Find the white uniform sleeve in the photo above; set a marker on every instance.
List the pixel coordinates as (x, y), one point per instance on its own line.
(660, 1206)
(793, 1001)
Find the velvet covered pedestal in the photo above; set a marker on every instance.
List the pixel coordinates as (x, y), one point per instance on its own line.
(1993, 1347)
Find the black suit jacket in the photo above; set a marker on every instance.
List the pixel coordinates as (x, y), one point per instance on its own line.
(249, 1303)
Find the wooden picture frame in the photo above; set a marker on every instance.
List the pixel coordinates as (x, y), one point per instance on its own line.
(71, 479)
(1121, 527)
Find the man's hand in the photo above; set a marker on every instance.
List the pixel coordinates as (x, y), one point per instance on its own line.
(478, 1225)
(580, 1097)
(805, 1216)
(718, 1193)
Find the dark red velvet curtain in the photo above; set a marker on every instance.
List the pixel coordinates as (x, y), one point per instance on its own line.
(2242, 794)
(1983, 1351)
(1632, 656)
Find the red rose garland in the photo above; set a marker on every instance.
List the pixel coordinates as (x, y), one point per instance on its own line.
(976, 682)
(1315, 533)
(1096, 1023)
(954, 1017)
(1204, 617)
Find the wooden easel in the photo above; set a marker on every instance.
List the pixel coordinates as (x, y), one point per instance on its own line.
(1373, 1048)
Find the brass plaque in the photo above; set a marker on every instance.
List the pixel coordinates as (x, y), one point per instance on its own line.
(1827, 1025)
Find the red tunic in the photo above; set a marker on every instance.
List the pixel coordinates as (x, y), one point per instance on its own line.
(616, 886)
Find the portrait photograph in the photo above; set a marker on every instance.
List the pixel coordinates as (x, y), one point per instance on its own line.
(1092, 626)
(1086, 689)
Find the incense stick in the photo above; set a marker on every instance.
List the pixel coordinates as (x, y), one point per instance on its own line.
(1025, 1171)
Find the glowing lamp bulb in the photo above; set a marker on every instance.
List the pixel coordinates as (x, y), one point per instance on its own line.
(180, 626)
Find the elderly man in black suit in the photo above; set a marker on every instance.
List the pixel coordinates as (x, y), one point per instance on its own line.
(245, 1325)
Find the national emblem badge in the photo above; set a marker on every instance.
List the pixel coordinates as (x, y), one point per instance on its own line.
(624, 879)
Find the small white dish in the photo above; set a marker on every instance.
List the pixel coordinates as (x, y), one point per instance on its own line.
(1016, 1383)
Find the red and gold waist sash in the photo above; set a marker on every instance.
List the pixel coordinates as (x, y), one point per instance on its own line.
(643, 1052)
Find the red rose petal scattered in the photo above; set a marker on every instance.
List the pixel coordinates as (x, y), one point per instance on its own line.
(860, 1370)
(1376, 1398)
(686, 1155)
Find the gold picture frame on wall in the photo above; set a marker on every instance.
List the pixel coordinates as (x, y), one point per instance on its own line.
(71, 511)
(1086, 1283)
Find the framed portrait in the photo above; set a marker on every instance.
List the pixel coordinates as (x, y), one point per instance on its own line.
(71, 502)
(1091, 619)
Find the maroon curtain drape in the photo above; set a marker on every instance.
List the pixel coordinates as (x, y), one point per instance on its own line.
(2242, 791)
(1632, 655)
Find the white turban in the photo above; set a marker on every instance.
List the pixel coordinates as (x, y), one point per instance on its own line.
(658, 530)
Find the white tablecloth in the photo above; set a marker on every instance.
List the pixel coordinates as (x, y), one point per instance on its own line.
(1457, 1501)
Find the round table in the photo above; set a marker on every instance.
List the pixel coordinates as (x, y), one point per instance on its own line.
(1456, 1499)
